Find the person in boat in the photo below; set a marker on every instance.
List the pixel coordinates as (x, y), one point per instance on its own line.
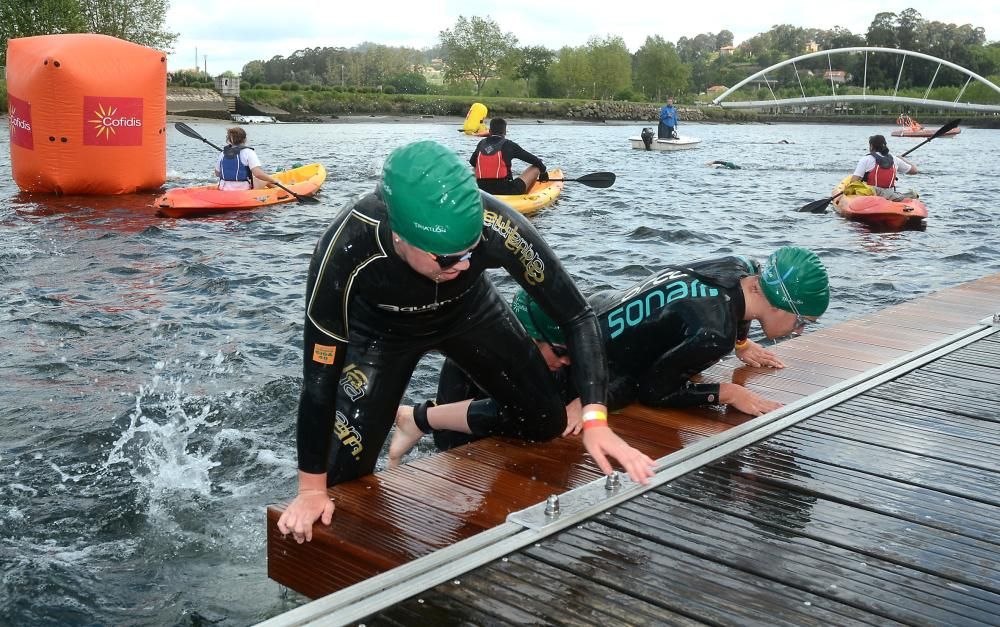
(493, 158)
(667, 128)
(401, 272)
(238, 163)
(657, 334)
(879, 170)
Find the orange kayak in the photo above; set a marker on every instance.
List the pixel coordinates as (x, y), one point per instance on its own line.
(185, 202)
(876, 210)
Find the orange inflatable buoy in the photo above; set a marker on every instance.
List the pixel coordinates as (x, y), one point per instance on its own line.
(87, 114)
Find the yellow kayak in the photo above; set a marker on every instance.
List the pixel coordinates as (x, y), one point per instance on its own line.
(185, 202)
(540, 195)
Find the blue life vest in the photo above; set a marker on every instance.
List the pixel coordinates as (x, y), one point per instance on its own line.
(231, 167)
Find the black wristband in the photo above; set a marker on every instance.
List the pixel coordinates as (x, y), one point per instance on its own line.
(420, 416)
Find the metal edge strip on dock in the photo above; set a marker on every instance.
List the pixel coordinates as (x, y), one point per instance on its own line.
(532, 524)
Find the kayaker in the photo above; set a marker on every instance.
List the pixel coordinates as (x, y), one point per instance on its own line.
(401, 272)
(492, 160)
(879, 170)
(659, 333)
(238, 163)
(667, 128)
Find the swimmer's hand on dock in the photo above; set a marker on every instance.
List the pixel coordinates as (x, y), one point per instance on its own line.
(311, 504)
(753, 354)
(602, 443)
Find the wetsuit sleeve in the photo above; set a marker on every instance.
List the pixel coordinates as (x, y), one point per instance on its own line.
(341, 253)
(666, 383)
(472, 159)
(519, 248)
(514, 151)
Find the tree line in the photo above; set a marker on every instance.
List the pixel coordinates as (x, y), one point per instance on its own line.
(478, 58)
(138, 21)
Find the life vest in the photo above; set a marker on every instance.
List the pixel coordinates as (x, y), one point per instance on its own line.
(232, 168)
(489, 162)
(884, 173)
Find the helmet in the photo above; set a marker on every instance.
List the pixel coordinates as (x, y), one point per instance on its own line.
(796, 274)
(432, 197)
(536, 322)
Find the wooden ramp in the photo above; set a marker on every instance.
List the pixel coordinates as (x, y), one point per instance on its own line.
(393, 517)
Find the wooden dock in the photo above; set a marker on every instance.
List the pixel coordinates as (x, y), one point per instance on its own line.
(831, 479)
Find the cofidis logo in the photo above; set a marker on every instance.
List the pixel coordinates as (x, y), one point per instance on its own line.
(109, 121)
(19, 117)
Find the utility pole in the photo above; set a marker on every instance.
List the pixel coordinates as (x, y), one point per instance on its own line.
(205, 57)
(196, 58)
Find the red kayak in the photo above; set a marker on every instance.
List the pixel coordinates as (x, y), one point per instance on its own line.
(877, 211)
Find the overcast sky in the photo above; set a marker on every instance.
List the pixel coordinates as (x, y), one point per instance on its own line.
(234, 33)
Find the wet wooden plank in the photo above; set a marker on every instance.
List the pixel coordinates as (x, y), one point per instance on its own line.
(909, 468)
(954, 401)
(520, 585)
(964, 560)
(647, 567)
(772, 464)
(883, 588)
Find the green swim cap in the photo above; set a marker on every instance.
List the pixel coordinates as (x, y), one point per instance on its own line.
(432, 196)
(536, 322)
(804, 278)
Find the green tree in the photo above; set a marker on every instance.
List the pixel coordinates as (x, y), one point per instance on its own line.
(611, 65)
(533, 63)
(253, 73)
(658, 69)
(27, 18)
(409, 83)
(571, 74)
(475, 49)
(138, 21)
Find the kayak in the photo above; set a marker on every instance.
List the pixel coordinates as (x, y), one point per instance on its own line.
(540, 195)
(186, 202)
(680, 143)
(875, 210)
(924, 132)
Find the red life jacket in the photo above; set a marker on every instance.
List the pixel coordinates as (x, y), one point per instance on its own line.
(489, 162)
(884, 173)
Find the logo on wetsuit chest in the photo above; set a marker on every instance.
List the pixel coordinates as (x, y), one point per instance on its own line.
(349, 436)
(635, 311)
(353, 382)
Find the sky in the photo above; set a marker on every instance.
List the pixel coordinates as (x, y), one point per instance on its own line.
(233, 34)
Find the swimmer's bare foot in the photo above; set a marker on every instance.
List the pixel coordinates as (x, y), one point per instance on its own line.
(405, 437)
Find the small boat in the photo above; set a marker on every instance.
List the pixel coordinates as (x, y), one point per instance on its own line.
(253, 119)
(876, 210)
(541, 194)
(186, 202)
(680, 143)
(912, 128)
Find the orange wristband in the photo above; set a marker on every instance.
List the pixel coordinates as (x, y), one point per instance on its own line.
(595, 418)
(741, 344)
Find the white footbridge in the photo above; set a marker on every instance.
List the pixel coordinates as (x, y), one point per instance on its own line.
(864, 96)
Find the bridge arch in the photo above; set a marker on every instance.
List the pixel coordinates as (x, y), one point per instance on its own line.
(863, 97)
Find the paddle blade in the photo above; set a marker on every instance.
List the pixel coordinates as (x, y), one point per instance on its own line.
(187, 130)
(816, 206)
(947, 127)
(306, 200)
(599, 180)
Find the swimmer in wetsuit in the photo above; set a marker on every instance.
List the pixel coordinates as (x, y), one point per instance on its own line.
(668, 328)
(401, 272)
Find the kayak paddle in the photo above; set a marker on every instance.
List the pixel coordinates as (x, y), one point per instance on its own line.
(595, 179)
(819, 206)
(190, 132)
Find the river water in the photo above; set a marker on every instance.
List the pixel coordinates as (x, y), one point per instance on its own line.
(151, 367)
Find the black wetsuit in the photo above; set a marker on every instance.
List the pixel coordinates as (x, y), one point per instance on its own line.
(509, 151)
(370, 317)
(657, 334)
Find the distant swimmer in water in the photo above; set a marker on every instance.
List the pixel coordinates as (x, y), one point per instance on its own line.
(729, 165)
